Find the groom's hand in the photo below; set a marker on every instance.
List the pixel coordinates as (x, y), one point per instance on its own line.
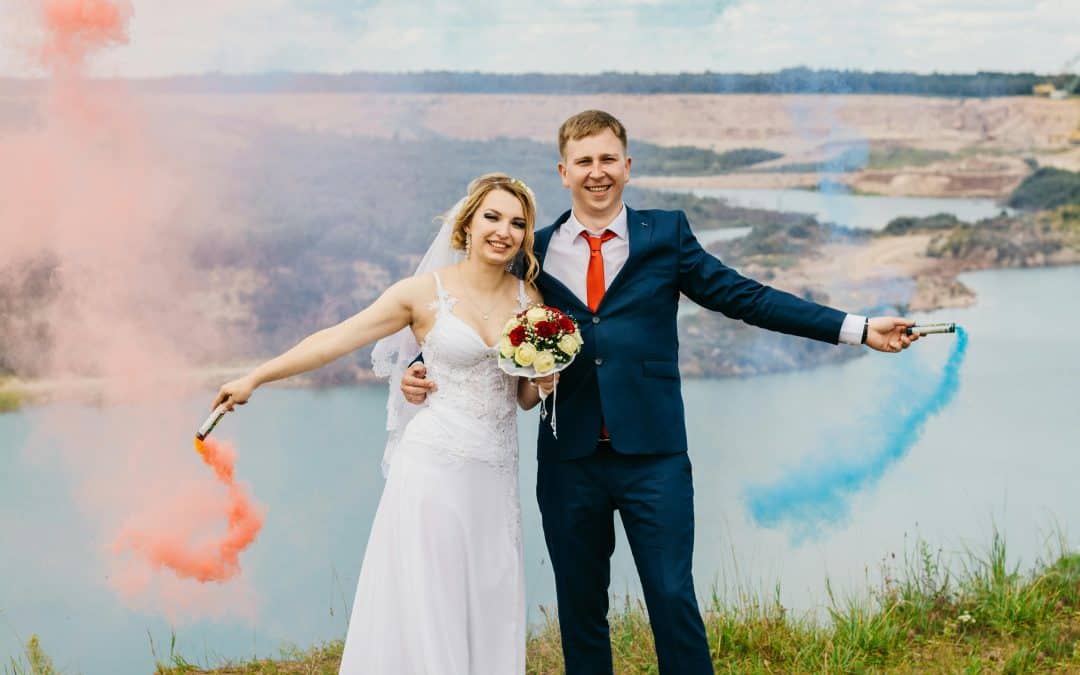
(414, 385)
(889, 333)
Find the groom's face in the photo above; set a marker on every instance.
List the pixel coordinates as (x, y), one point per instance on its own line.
(596, 169)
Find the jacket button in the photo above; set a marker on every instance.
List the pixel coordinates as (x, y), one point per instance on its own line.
(599, 362)
(596, 319)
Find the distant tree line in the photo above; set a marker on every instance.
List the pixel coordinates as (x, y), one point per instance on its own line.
(787, 81)
(687, 160)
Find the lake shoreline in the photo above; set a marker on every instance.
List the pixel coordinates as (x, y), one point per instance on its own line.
(938, 182)
(850, 275)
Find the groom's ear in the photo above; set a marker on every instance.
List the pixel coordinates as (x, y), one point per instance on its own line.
(562, 173)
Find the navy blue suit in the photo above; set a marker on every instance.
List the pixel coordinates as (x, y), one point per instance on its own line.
(627, 376)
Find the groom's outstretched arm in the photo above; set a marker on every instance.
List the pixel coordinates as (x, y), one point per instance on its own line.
(713, 285)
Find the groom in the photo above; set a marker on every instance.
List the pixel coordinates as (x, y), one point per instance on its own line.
(621, 444)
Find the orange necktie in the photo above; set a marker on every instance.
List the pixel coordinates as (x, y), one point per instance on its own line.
(594, 283)
(594, 278)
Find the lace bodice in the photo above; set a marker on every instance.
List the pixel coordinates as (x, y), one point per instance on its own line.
(473, 414)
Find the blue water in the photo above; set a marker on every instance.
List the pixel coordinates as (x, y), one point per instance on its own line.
(1002, 452)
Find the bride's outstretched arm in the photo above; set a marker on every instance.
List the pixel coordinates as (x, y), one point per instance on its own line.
(391, 312)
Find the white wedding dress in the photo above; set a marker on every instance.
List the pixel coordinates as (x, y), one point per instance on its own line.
(442, 587)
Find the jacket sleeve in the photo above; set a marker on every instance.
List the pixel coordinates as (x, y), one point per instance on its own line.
(715, 286)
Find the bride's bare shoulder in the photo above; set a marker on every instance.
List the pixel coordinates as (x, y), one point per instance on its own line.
(535, 298)
(418, 290)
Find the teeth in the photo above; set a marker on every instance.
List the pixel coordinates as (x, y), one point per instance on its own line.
(598, 188)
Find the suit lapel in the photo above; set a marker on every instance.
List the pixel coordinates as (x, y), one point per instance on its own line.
(544, 234)
(638, 234)
(543, 240)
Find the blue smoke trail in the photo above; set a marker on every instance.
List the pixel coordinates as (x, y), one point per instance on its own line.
(816, 492)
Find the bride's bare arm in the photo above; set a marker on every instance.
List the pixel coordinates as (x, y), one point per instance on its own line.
(391, 312)
(528, 393)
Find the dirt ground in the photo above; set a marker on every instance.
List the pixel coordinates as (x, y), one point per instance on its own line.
(987, 138)
(892, 270)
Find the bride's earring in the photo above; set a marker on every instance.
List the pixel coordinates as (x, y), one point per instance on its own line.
(468, 245)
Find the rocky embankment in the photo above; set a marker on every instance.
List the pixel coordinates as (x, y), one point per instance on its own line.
(909, 268)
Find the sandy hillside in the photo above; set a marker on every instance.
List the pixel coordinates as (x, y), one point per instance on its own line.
(987, 140)
(979, 145)
(883, 270)
(790, 124)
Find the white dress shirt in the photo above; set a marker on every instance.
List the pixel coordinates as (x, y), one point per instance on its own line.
(567, 260)
(567, 257)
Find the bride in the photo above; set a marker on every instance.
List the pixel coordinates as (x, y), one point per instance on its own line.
(442, 587)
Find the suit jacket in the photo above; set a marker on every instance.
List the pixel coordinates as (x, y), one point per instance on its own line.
(627, 373)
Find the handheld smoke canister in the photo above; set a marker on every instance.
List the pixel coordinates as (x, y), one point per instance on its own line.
(211, 422)
(930, 328)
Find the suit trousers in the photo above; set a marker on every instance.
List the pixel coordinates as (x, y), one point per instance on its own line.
(654, 496)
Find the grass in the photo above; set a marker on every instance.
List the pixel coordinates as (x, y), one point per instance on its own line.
(891, 157)
(985, 616)
(10, 399)
(34, 661)
(322, 659)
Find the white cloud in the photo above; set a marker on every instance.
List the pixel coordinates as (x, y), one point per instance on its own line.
(579, 36)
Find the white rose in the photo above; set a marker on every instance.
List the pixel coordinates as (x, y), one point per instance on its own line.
(544, 361)
(536, 314)
(568, 344)
(510, 325)
(580, 340)
(506, 348)
(524, 354)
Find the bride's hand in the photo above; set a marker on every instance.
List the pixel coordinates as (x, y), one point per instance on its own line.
(234, 393)
(545, 385)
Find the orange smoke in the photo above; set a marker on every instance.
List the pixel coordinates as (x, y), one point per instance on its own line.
(213, 560)
(75, 28)
(91, 193)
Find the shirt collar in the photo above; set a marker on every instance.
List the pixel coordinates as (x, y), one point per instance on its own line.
(574, 227)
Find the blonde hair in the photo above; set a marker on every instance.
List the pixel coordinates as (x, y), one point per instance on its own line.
(589, 123)
(478, 189)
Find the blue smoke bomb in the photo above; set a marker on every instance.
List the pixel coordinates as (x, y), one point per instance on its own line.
(817, 492)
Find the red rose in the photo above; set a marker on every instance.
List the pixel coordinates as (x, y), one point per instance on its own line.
(546, 329)
(565, 324)
(517, 336)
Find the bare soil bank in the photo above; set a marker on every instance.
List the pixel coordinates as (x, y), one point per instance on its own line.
(986, 139)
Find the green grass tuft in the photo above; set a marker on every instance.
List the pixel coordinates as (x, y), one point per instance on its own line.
(986, 617)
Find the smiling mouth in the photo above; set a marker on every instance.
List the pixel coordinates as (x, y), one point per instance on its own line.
(498, 246)
(597, 189)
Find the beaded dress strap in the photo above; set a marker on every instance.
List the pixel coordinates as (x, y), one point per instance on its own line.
(523, 298)
(443, 300)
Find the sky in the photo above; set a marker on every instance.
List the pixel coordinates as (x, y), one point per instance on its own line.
(579, 36)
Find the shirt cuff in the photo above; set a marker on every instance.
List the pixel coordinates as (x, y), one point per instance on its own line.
(851, 330)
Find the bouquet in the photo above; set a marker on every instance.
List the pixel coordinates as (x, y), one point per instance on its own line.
(538, 342)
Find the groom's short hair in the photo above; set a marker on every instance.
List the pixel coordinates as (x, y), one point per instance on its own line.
(589, 123)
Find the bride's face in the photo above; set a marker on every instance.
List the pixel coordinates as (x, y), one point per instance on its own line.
(497, 228)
